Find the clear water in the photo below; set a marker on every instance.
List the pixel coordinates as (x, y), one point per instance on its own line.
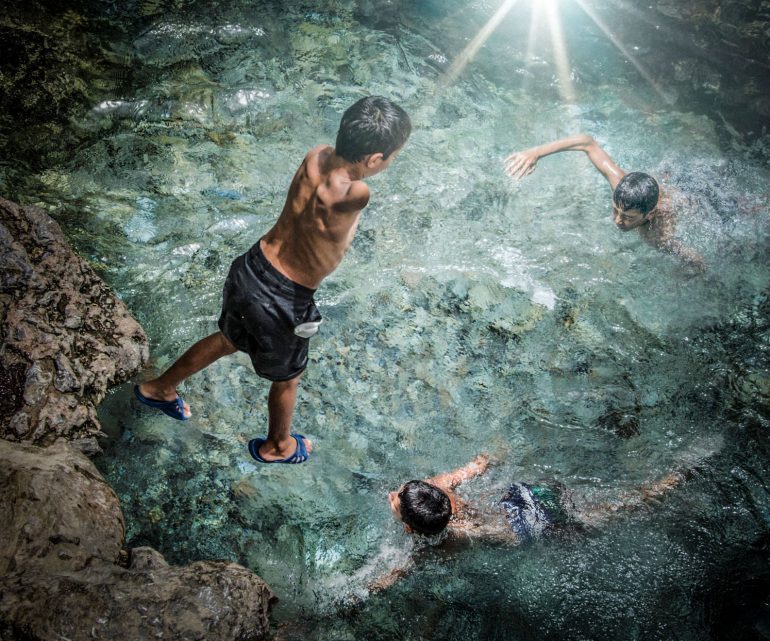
(473, 313)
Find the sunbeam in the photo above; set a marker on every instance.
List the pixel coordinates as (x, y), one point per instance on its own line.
(622, 48)
(467, 54)
(534, 27)
(561, 59)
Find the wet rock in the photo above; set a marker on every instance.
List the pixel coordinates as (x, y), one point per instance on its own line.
(65, 338)
(624, 424)
(205, 601)
(712, 53)
(55, 500)
(63, 573)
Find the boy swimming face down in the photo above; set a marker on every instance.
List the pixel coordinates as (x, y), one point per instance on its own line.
(429, 507)
(523, 512)
(268, 309)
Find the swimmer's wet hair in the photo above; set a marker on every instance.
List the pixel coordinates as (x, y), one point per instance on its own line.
(424, 507)
(637, 190)
(372, 125)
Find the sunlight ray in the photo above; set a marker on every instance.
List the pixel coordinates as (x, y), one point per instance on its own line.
(561, 59)
(467, 54)
(534, 27)
(624, 50)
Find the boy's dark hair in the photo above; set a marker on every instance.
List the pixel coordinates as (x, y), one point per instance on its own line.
(636, 190)
(372, 125)
(424, 507)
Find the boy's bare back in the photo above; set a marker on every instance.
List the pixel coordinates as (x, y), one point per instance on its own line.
(319, 218)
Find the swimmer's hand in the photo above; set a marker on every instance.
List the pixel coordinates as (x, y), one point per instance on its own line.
(522, 163)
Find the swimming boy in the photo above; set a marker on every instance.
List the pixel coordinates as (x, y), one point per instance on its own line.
(268, 309)
(637, 202)
(523, 513)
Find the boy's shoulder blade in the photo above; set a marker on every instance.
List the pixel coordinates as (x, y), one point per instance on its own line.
(348, 196)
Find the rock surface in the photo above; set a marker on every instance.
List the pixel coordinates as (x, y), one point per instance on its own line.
(65, 338)
(713, 53)
(62, 513)
(61, 575)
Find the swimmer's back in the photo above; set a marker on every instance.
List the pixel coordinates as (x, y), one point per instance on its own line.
(319, 218)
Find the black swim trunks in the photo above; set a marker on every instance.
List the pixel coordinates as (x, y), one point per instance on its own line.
(268, 316)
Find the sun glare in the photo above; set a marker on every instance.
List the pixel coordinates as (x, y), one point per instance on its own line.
(467, 54)
(546, 11)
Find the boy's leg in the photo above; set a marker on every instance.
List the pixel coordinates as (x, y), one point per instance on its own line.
(200, 355)
(280, 406)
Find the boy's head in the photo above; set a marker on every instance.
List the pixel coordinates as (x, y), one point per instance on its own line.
(635, 196)
(423, 507)
(372, 126)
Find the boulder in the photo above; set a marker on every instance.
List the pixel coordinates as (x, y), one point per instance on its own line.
(65, 338)
(60, 513)
(205, 601)
(63, 574)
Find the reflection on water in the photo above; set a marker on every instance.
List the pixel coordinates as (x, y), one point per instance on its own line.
(472, 314)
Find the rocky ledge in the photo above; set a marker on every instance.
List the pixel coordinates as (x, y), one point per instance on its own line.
(64, 572)
(65, 338)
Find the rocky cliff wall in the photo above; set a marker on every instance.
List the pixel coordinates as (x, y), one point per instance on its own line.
(65, 339)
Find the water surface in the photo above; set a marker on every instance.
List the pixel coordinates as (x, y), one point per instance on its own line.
(472, 313)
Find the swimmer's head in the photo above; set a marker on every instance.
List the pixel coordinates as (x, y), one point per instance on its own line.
(635, 196)
(373, 125)
(424, 508)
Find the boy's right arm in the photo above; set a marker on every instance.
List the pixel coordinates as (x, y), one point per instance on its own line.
(450, 480)
(522, 163)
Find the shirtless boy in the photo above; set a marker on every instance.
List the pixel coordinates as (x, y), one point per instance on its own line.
(524, 512)
(637, 202)
(268, 309)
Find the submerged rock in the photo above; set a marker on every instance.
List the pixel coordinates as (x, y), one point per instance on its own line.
(63, 574)
(65, 338)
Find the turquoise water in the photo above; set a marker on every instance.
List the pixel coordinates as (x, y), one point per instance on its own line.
(472, 313)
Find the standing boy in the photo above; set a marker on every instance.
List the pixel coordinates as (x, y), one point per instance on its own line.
(268, 309)
(637, 202)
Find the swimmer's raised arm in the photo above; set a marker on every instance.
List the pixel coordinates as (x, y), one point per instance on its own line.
(522, 163)
(450, 480)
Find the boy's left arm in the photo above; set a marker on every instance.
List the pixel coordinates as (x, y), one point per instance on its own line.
(389, 578)
(661, 233)
(662, 238)
(595, 514)
(687, 254)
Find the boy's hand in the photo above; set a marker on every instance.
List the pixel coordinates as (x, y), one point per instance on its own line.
(521, 164)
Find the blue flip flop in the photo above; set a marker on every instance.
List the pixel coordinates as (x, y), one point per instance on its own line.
(300, 454)
(174, 409)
